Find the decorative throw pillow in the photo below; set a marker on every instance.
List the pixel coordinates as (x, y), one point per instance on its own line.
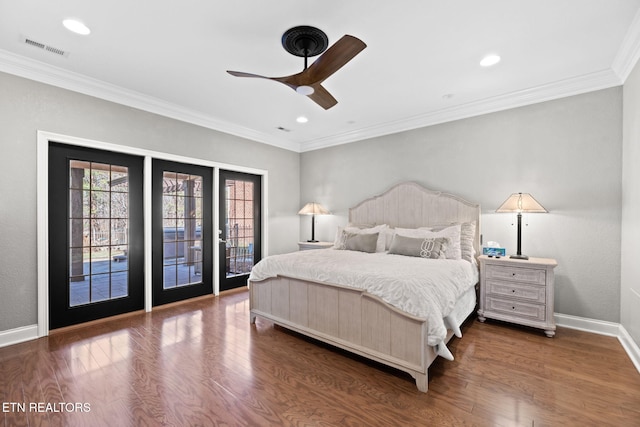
(340, 239)
(424, 247)
(361, 242)
(453, 233)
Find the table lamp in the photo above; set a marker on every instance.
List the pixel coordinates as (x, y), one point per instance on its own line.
(313, 209)
(521, 202)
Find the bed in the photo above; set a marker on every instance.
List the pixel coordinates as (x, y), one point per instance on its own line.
(340, 297)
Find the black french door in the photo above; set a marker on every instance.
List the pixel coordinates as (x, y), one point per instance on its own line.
(96, 240)
(182, 232)
(240, 231)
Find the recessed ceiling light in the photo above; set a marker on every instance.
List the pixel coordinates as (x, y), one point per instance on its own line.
(76, 26)
(490, 60)
(302, 119)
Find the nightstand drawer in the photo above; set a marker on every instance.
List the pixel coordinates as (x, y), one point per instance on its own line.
(516, 308)
(517, 290)
(517, 274)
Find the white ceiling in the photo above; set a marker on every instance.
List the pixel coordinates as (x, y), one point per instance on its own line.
(421, 65)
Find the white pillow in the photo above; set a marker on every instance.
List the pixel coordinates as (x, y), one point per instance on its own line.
(453, 250)
(413, 232)
(467, 237)
(380, 229)
(388, 235)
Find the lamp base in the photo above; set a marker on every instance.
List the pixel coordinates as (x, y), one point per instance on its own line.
(312, 241)
(519, 256)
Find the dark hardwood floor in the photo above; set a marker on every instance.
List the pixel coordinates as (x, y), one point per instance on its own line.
(202, 363)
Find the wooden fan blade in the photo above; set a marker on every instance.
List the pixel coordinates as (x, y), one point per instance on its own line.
(284, 80)
(322, 97)
(242, 74)
(334, 58)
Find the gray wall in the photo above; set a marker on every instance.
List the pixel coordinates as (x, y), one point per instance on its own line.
(567, 153)
(27, 106)
(630, 291)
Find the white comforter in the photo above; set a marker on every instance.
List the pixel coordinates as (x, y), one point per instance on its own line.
(427, 288)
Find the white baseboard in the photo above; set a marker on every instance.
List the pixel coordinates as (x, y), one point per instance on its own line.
(630, 346)
(603, 328)
(18, 335)
(600, 327)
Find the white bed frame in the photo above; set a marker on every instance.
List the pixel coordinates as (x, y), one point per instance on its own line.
(353, 319)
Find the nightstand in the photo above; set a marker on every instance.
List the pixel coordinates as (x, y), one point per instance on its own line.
(305, 246)
(518, 291)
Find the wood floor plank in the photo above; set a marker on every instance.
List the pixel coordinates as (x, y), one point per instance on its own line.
(203, 363)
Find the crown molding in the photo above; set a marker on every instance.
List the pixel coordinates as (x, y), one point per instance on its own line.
(587, 83)
(44, 73)
(629, 51)
(55, 76)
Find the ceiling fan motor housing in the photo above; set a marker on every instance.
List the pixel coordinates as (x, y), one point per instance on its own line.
(305, 41)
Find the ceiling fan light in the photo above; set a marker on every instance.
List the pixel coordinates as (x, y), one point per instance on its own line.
(304, 90)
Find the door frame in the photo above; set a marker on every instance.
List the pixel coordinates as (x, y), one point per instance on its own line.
(42, 178)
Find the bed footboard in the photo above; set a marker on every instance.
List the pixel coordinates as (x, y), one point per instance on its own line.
(347, 318)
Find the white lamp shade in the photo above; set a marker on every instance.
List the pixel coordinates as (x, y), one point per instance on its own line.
(313, 209)
(521, 202)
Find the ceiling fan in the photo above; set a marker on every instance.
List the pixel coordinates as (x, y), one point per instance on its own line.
(306, 41)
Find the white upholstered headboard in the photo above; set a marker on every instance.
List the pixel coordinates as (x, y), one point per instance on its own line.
(409, 205)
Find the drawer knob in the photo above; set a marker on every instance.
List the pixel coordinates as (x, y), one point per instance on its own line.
(513, 308)
(513, 290)
(513, 274)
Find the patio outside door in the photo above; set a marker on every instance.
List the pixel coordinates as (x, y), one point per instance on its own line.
(182, 224)
(96, 241)
(240, 232)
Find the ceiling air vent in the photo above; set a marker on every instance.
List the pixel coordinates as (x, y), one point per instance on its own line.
(46, 47)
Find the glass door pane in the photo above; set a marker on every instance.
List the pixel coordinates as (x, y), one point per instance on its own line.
(239, 227)
(240, 243)
(182, 229)
(98, 232)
